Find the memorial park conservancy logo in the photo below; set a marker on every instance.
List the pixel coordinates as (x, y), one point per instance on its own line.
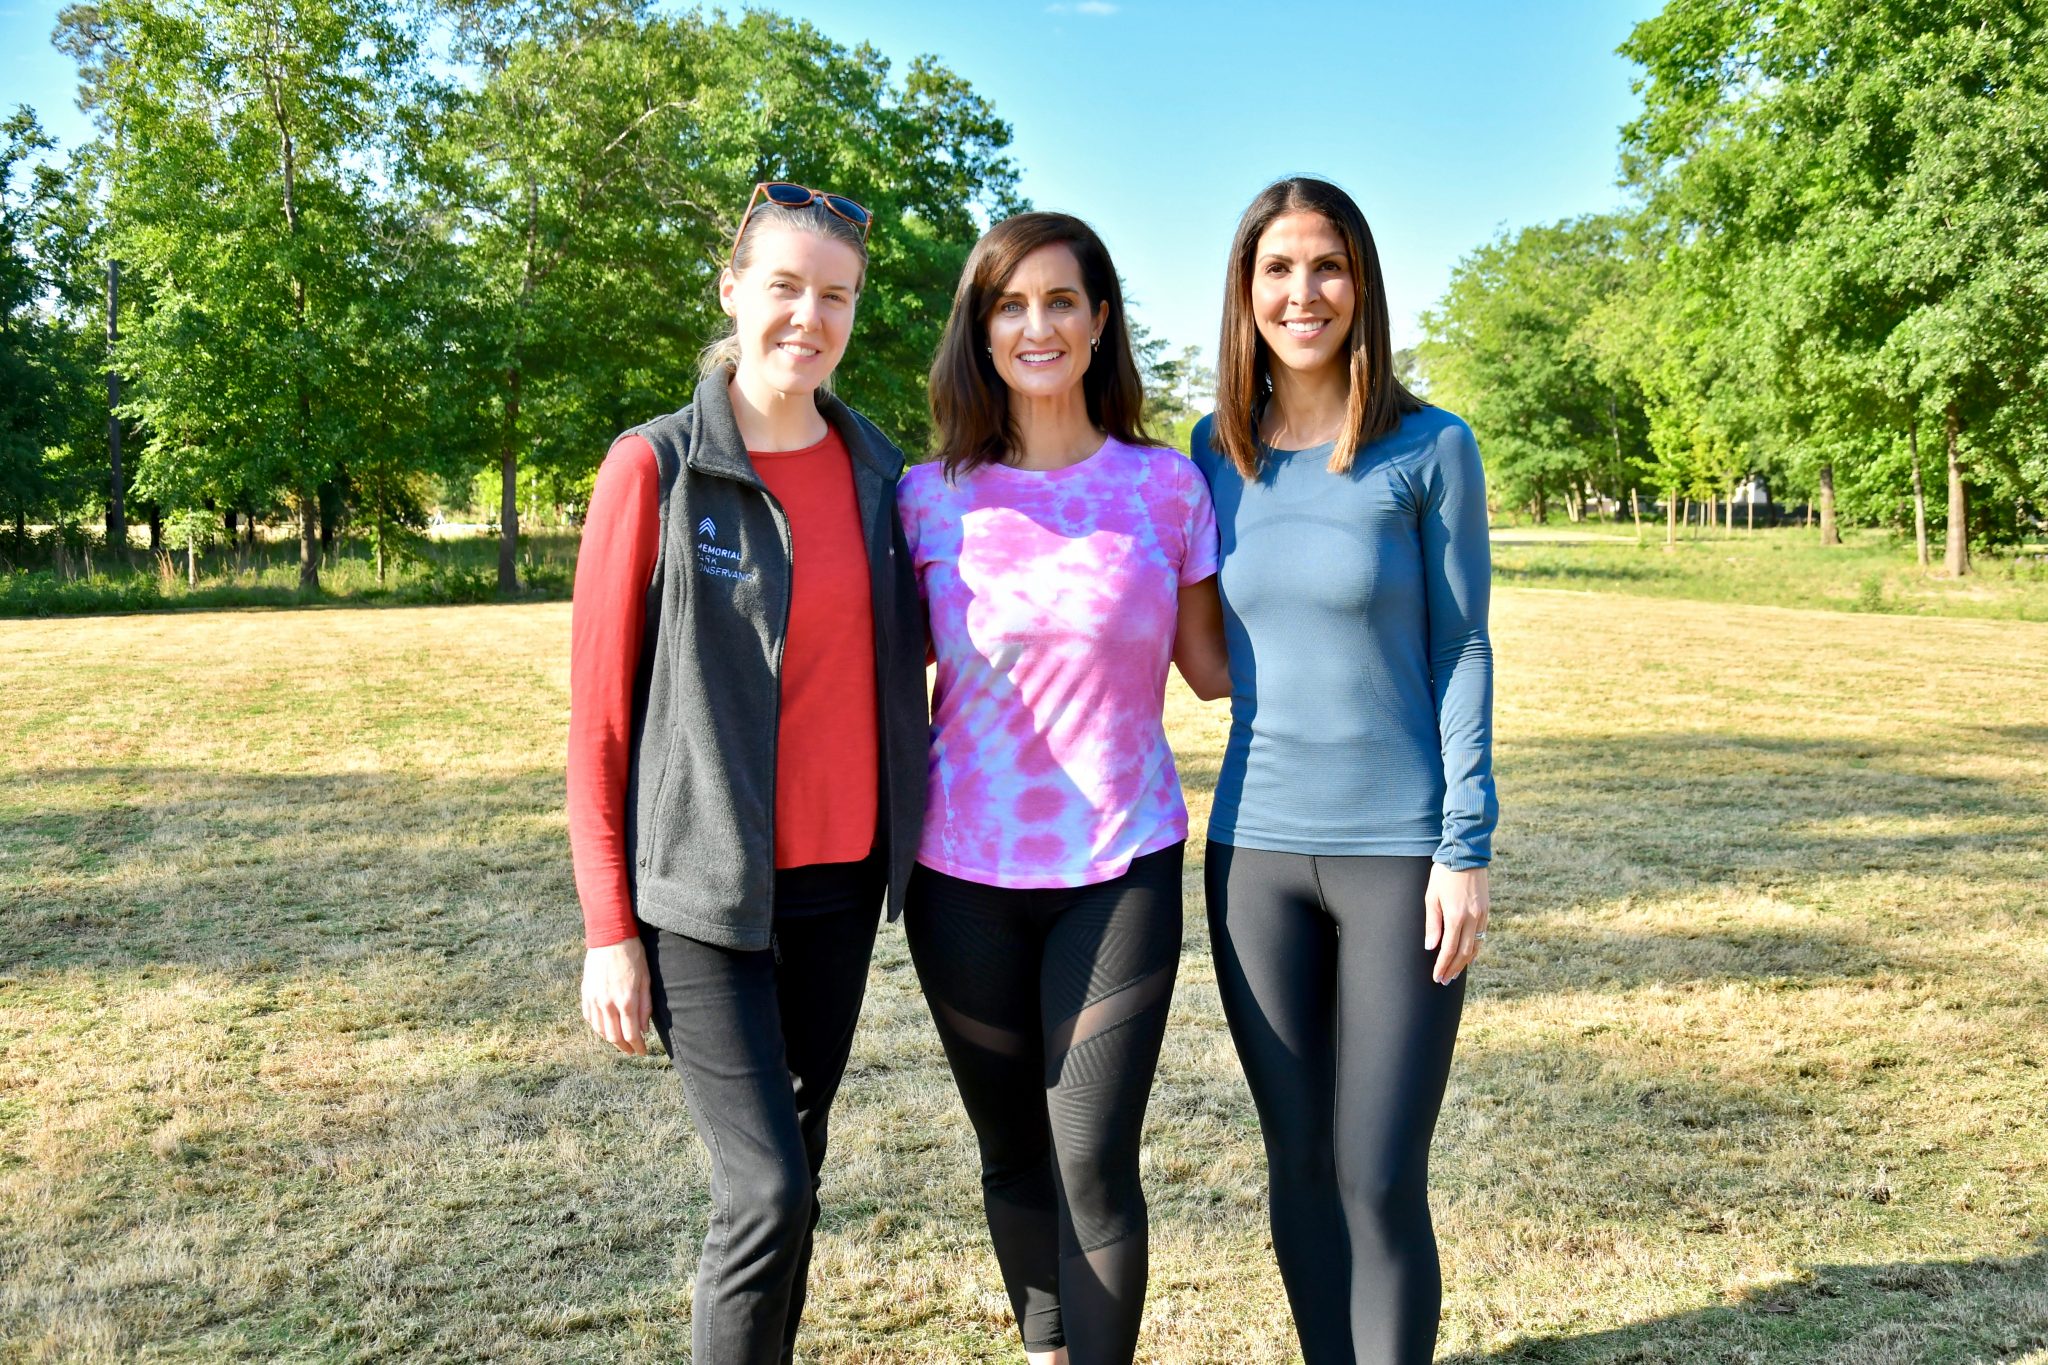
(715, 559)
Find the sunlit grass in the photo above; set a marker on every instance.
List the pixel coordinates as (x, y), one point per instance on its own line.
(290, 1065)
(1872, 571)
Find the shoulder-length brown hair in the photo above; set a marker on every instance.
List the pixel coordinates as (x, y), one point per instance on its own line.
(1244, 380)
(970, 403)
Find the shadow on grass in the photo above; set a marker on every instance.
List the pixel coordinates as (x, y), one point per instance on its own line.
(122, 866)
(1923, 1312)
(2019, 734)
(1650, 814)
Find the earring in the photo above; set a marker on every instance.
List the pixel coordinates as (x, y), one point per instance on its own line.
(1095, 342)
(991, 351)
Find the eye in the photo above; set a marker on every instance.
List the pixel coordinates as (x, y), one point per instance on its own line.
(1010, 307)
(781, 287)
(1063, 303)
(834, 296)
(1276, 268)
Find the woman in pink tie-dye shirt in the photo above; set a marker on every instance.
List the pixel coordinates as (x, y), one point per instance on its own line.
(1064, 561)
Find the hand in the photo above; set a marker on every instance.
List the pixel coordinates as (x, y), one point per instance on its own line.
(1454, 912)
(617, 1002)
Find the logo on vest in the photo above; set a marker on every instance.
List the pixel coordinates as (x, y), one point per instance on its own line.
(716, 560)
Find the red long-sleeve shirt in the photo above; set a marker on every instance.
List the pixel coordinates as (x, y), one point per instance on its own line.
(827, 764)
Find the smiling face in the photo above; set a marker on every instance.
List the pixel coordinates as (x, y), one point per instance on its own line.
(792, 306)
(1303, 292)
(1041, 327)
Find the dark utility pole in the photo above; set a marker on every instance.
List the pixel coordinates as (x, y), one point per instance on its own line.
(117, 515)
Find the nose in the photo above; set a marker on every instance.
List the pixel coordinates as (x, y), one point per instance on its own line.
(1037, 322)
(804, 312)
(1301, 287)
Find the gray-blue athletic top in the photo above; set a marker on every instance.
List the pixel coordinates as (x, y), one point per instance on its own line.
(1361, 709)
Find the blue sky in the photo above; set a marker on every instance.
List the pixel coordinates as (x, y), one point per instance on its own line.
(1158, 121)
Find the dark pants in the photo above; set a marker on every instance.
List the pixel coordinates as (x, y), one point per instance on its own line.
(761, 1040)
(1052, 1005)
(1347, 1044)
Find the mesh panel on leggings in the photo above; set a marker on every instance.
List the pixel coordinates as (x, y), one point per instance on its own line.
(1096, 1116)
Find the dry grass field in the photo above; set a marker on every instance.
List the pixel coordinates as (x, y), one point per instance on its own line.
(1754, 1070)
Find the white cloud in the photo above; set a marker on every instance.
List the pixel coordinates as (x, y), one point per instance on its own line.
(1097, 8)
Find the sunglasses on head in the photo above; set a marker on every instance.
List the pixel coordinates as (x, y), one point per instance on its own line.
(789, 196)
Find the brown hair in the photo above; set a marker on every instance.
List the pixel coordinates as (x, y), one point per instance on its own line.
(1244, 380)
(970, 402)
(724, 353)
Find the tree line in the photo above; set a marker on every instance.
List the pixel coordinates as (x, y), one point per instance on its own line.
(366, 249)
(1833, 274)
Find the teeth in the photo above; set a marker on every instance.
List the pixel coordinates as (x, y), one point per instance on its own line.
(794, 349)
(1038, 355)
(1304, 328)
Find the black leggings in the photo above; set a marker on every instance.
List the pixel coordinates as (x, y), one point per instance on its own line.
(761, 1040)
(1052, 1004)
(1347, 1044)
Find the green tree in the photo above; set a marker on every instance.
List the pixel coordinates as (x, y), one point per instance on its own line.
(27, 389)
(599, 171)
(1865, 190)
(1510, 348)
(47, 355)
(250, 142)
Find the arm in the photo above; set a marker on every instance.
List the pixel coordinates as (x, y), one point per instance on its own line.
(613, 568)
(1458, 574)
(1198, 650)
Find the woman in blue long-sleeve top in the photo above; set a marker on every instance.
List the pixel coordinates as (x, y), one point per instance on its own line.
(1353, 819)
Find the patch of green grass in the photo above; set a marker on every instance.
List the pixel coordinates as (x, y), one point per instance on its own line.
(1788, 567)
(456, 571)
(291, 1068)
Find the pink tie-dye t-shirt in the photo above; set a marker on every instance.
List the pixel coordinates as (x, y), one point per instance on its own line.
(1052, 596)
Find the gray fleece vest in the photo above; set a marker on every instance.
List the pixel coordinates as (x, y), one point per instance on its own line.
(700, 826)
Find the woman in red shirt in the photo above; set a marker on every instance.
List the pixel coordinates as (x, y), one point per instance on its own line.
(747, 741)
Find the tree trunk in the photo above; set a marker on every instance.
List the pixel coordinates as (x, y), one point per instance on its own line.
(508, 494)
(1829, 534)
(1671, 521)
(117, 482)
(191, 560)
(309, 540)
(1919, 492)
(233, 522)
(1635, 509)
(1542, 507)
(156, 529)
(1958, 503)
(1750, 512)
(1614, 426)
